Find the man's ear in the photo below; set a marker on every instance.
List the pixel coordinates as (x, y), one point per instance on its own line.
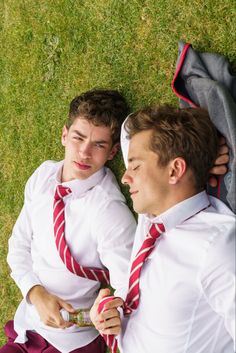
(114, 150)
(177, 169)
(64, 135)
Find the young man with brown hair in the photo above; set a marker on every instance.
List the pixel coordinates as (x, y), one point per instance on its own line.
(181, 292)
(74, 224)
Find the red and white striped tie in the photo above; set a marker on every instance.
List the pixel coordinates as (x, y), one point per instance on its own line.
(73, 266)
(132, 299)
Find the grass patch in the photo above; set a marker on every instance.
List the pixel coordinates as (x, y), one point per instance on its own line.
(51, 51)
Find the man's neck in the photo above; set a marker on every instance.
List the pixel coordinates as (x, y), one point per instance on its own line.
(176, 196)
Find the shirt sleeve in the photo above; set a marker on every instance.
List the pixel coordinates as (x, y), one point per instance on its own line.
(19, 245)
(115, 234)
(218, 277)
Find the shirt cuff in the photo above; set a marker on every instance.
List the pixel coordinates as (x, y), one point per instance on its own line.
(28, 281)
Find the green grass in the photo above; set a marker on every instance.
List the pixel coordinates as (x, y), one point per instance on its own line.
(52, 50)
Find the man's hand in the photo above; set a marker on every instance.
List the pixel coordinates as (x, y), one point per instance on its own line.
(48, 307)
(220, 166)
(107, 322)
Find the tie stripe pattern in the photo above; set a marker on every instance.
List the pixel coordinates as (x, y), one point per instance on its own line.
(132, 299)
(73, 266)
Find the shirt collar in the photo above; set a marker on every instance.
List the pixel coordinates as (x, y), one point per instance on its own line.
(182, 211)
(78, 186)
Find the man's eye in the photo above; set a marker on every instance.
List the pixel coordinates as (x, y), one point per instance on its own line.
(135, 168)
(99, 145)
(78, 138)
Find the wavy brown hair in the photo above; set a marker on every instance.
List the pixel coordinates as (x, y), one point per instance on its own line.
(101, 107)
(187, 133)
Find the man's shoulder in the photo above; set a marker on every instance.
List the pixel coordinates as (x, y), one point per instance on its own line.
(47, 167)
(42, 174)
(215, 222)
(220, 242)
(221, 222)
(221, 212)
(109, 188)
(108, 206)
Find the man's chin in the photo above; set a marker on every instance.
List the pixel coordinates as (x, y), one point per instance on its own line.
(83, 175)
(138, 209)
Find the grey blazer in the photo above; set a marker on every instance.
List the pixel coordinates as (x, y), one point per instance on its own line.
(205, 80)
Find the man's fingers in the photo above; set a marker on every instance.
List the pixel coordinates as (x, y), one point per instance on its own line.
(52, 322)
(57, 318)
(115, 303)
(68, 307)
(219, 170)
(94, 314)
(98, 318)
(108, 314)
(112, 322)
(112, 331)
(59, 321)
(222, 159)
(222, 141)
(111, 326)
(224, 149)
(213, 182)
(105, 292)
(63, 326)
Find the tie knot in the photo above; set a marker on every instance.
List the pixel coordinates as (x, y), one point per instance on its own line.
(156, 230)
(61, 191)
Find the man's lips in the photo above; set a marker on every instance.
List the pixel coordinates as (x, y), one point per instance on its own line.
(82, 166)
(132, 193)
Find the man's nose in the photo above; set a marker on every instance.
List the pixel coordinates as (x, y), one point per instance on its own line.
(85, 150)
(126, 179)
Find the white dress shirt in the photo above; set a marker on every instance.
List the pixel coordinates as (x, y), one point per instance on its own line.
(187, 284)
(99, 231)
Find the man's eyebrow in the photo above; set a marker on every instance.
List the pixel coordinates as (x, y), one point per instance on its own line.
(102, 142)
(77, 132)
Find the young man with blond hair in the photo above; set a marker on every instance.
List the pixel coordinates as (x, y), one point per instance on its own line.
(181, 290)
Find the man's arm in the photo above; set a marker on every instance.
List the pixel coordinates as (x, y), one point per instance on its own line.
(115, 234)
(20, 261)
(218, 275)
(19, 246)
